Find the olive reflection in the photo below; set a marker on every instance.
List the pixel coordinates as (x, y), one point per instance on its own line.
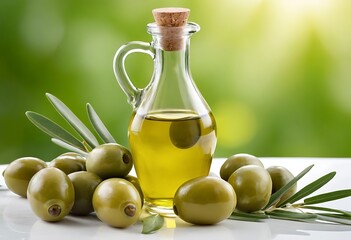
(185, 133)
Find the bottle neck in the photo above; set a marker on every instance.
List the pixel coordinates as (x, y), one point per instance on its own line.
(171, 79)
(172, 87)
(172, 48)
(174, 64)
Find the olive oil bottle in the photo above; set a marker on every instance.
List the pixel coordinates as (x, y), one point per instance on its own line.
(169, 148)
(172, 132)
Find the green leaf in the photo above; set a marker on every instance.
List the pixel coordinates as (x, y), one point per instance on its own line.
(289, 215)
(68, 146)
(73, 120)
(335, 218)
(310, 188)
(330, 196)
(335, 215)
(99, 126)
(325, 209)
(152, 223)
(252, 217)
(53, 129)
(277, 195)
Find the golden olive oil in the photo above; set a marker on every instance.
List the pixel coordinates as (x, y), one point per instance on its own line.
(169, 148)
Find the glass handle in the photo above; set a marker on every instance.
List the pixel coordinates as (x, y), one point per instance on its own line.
(134, 94)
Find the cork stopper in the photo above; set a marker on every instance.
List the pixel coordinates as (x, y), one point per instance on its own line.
(171, 22)
(171, 17)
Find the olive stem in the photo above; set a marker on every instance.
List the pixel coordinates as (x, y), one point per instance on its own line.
(270, 209)
(86, 146)
(288, 206)
(296, 205)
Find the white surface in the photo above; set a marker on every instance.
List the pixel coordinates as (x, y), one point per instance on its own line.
(17, 221)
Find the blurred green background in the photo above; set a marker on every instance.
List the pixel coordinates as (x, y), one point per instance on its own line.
(277, 74)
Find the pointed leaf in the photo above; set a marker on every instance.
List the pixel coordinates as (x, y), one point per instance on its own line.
(310, 188)
(335, 218)
(330, 196)
(152, 223)
(277, 195)
(68, 146)
(73, 120)
(99, 126)
(335, 215)
(325, 209)
(244, 218)
(53, 129)
(289, 215)
(252, 217)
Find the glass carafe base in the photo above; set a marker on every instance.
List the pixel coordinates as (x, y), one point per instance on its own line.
(164, 207)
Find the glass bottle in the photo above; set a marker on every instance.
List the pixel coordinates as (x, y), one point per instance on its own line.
(172, 132)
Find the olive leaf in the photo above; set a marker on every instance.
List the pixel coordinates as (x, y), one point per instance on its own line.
(73, 120)
(64, 138)
(252, 217)
(310, 188)
(336, 218)
(295, 211)
(53, 129)
(290, 215)
(152, 223)
(99, 126)
(68, 146)
(327, 197)
(325, 209)
(277, 195)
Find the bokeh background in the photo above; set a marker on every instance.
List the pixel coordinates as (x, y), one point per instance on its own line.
(277, 74)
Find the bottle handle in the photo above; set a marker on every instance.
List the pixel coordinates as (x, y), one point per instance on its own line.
(133, 93)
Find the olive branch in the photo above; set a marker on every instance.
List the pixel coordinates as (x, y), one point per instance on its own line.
(290, 210)
(64, 138)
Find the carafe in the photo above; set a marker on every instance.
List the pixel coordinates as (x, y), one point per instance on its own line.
(172, 131)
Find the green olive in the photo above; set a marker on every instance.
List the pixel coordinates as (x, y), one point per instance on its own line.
(236, 161)
(117, 202)
(84, 184)
(280, 177)
(253, 186)
(50, 194)
(185, 133)
(109, 160)
(69, 163)
(204, 200)
(19, 172)
(80, 158)
(135, 182)
(73, 154)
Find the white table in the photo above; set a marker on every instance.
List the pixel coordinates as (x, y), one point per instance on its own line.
(17, 221)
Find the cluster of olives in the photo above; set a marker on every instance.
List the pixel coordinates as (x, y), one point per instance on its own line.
(245, 185)
(99, 182)
(73, 184)
(254, 184)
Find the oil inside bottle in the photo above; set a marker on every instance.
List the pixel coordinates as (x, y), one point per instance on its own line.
(169, 148)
